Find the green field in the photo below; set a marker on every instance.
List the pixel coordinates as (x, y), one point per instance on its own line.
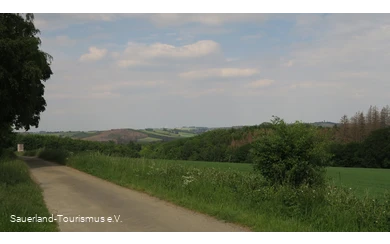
(233, 192)
(169, 133)
(153, 136)
(72, 134)
(185, 134)
(22, 197)
(189, 129)
(148, 139)
(159, 133)
(364, 181)
(186, 129)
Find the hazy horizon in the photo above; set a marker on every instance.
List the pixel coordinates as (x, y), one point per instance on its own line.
(142, 128)
(213, 70)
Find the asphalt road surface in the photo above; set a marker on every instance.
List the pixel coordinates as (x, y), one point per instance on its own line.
(80, 201)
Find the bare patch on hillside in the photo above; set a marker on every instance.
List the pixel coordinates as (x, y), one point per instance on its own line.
(118, 136)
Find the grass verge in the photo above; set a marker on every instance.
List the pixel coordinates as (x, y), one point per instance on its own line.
(242, 197)
(21, 196)
(364, 181)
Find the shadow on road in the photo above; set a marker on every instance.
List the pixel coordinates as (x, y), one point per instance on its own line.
(34, 162)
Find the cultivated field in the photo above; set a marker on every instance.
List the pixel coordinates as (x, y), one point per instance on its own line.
(117, 135)
(364, 181)
(168, 134)
(148, 140)
(373, 182)
(127, 135)
(234, 193)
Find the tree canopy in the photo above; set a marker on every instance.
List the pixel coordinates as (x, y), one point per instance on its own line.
(23, 69)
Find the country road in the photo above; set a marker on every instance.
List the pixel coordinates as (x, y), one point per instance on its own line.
(76, 195)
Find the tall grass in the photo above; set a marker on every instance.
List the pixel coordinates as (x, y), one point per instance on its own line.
(242, 197)
(21, 197)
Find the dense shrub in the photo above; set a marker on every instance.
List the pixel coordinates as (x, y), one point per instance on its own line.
(293, 154)
(7, 154)
(34, 142)
(56, 155)
(7, 139)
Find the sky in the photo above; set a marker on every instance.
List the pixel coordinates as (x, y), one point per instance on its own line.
(214, 70)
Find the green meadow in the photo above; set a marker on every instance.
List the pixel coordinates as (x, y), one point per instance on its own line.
(234, 193)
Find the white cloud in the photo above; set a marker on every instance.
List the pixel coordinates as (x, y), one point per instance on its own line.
(128, 63)
(94, 54)
(41, 23)
(142, 54)
(290, 63)
(219, 72)
(345, 40)
(198, 49)
(260, 83)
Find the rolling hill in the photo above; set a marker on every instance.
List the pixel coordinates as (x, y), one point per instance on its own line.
(123, 136)
(119, 136)
(148, 135)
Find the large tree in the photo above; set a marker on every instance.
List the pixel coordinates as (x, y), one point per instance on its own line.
(362, 126)
(23, 69)
(344, 132)
(385, 113)
(375, 118)
(369, 121)
(354, 127)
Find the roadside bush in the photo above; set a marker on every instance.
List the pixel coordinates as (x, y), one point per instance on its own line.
(31, 153)
(56, 155)
(6, 154)
(293, 154)
(34, 142)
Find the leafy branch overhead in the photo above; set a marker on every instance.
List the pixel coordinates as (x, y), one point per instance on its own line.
(23, 69)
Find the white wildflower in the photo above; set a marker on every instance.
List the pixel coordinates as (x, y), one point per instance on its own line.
(187, 179)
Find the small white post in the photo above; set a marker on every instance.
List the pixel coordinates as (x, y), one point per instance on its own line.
(20, 147)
